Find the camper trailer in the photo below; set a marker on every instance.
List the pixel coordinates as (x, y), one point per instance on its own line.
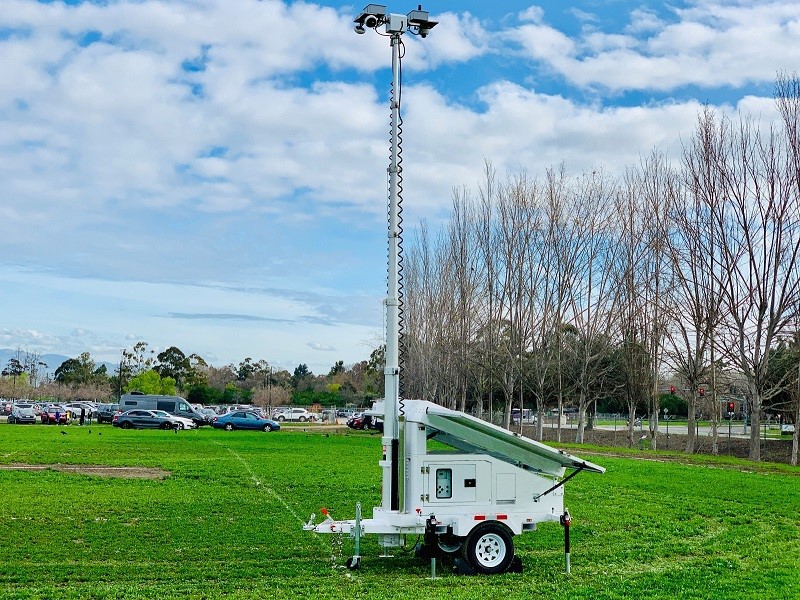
(174, 405)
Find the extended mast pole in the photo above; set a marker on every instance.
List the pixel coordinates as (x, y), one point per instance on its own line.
(390, 492)
(417, 22)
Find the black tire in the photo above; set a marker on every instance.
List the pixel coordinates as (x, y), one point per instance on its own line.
(450, 544)
(302, 419)
(228, 426)
(164, 425)
(179, 425)
(281, 418)
(126, 425)
(267, 427)
(489, 549)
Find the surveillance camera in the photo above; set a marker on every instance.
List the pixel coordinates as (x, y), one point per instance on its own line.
(370, 21)
(423, 32)
(359, 29)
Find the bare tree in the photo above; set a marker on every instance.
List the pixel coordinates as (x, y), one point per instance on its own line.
(691, 253)
(758, 229)
(464, 260)
(594, 295)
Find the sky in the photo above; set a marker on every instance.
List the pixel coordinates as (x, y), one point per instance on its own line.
(211, 174)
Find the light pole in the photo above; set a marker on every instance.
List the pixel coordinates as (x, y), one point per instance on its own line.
(415, 22)
(666, 419)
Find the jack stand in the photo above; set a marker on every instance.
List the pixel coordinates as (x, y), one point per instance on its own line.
(566, 521)
(354, 562)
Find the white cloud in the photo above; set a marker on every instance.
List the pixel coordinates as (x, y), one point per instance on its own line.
(321, 347)
(709, 44)
(181, 178)
(534, 14)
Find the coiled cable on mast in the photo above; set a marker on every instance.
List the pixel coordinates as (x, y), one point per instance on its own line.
(401, 349)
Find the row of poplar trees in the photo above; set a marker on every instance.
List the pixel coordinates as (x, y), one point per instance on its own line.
(686, 269)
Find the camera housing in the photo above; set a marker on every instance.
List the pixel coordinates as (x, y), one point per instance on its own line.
(418, 19)
(371, 16)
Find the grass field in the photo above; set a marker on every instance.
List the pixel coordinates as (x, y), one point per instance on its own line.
(227, 523)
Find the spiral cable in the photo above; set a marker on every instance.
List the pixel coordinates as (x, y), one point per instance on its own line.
(401, 349)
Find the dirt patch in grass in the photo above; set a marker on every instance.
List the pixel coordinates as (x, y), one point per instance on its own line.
(97, 470)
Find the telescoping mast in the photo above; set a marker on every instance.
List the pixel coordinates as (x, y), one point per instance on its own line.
(494, 484)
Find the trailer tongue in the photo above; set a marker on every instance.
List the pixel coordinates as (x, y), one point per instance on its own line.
(468, 502)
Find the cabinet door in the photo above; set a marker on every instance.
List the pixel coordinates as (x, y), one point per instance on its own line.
(453, 483)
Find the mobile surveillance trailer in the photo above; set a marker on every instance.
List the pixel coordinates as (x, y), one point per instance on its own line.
(469, 502)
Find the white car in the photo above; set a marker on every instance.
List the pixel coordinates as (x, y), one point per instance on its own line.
(180, 422)
(293, 414)
(75, 409)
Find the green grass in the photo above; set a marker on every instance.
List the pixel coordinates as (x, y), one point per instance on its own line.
(227, 523)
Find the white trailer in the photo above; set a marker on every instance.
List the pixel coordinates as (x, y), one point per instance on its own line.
(469, 501)
(493, 484)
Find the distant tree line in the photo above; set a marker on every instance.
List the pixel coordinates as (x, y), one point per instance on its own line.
(593, 291)
(173, 372)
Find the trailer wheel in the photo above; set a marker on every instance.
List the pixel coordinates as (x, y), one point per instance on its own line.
(489, 548)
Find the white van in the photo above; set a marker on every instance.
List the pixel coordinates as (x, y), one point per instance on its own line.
(174, 405)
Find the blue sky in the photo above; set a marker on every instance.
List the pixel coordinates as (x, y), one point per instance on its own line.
(211, 174)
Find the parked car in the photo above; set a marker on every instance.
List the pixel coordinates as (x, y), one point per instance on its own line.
(179, 422)
(75, 409)
(54, 414)
(365, 421)
(356, 421)
(105, 412)
(786, 428)
(242, 419)
(22, 414)
(28, 404)
(208, 412)
(293, 414)
(143, 419)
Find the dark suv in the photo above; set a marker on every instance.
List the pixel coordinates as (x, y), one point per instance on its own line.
(106, 412)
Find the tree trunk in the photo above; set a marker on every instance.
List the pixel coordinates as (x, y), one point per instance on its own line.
(755, 424)
(691, 426)
(796, 432)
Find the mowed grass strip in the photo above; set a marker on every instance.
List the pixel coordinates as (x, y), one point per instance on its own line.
(227, 523)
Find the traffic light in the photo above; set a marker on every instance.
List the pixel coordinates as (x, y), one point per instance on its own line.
(672, 389)
(731, 407)
(702, 391)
